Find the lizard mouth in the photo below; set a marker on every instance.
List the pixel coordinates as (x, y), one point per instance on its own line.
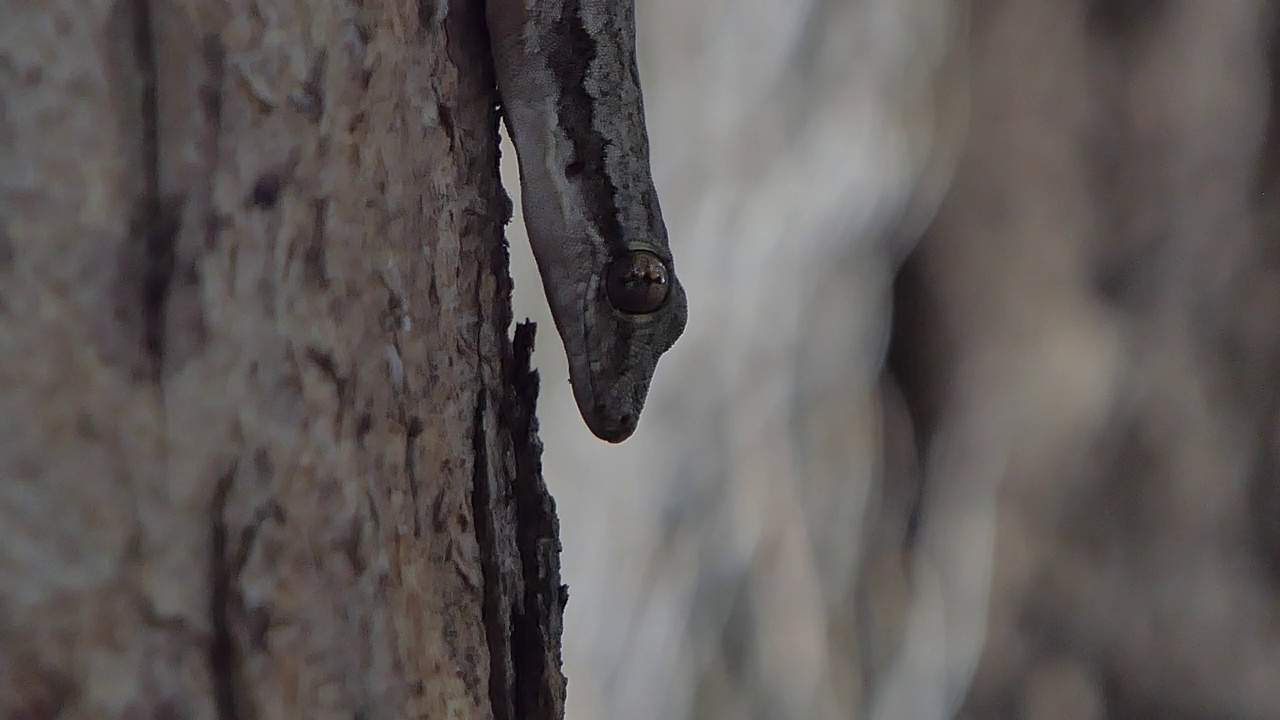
(607, 424)
(612, 429)
(594, 395)
(605, 401)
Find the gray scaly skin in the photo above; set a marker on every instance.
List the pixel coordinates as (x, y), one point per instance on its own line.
(570, 91)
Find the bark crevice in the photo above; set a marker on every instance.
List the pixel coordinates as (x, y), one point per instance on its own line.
(222, 654)
(496, 621)
(157, 220)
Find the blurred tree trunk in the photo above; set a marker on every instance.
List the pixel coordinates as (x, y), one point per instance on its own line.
(1094, 316)
(266, 449)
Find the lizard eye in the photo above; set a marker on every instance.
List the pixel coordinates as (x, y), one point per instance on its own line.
(637, 283)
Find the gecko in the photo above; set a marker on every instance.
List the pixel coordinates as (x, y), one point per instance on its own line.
(569, 90)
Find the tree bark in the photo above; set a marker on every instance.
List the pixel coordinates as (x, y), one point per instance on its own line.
(266, 449)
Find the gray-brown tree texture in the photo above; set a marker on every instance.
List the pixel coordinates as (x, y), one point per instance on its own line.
(266, 448)
(975, 414)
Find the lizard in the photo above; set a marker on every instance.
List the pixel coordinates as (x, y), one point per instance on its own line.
(569, 90)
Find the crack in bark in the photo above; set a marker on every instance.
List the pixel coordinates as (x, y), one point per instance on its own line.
(496, 622)
(1269, 157)
(412, 430)
(157, 220)
(222, 655)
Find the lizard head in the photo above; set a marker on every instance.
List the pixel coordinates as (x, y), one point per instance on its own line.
(570, 91)
(631, 314)
(618, 307)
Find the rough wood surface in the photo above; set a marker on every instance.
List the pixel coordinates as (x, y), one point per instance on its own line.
(265, 448)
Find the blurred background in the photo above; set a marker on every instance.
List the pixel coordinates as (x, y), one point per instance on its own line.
(975, 415)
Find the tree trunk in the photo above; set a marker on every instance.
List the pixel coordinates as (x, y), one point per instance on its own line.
(266, 449)
(1087, 338)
